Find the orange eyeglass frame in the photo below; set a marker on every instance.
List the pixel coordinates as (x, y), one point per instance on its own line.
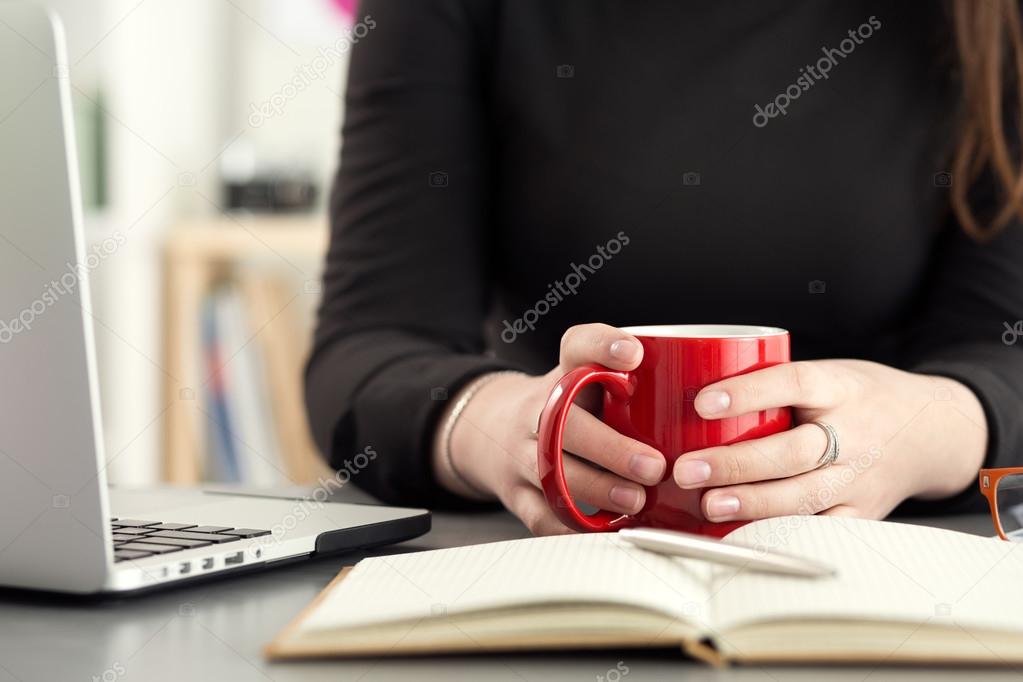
(989, 479)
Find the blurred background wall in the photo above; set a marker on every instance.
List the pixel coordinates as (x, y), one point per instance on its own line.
(208, 133)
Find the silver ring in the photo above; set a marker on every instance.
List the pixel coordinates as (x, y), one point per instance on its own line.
(831, 451)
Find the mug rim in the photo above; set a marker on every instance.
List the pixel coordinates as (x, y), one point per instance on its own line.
(704, 331)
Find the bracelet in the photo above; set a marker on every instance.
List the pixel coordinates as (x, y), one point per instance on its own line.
(467, 394)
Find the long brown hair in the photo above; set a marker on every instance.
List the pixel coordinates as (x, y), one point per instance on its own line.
(989, 45)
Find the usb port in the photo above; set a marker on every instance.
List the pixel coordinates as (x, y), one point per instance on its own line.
(185, 568)
(232, 559)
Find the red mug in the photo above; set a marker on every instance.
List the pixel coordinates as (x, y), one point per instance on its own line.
(654, 404)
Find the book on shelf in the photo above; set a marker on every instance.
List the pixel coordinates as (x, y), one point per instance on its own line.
(222, 460)
(284, 349)
(252, 425)
(254, 342)
(902, 594)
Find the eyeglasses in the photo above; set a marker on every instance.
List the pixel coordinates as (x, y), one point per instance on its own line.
(1003, 489)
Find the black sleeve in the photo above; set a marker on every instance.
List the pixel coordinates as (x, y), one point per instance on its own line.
(405, 288)
(975, 296)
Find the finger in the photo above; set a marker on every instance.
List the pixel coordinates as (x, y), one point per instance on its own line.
(531, 508)
(599, 343)
(842, 510)
(777, 456)
(797, 384)
(602, 489)
(591, 439)
(808, 493)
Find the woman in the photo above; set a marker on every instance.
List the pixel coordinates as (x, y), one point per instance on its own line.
(848, 171)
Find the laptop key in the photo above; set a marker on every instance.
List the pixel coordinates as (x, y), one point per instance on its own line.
(187, 535)
(146, 547)
(172, 526)
(247, 532)
(123, 554)
(174, 542)
(208, 529)
(133, 531)
(117, 537)
(134, 523)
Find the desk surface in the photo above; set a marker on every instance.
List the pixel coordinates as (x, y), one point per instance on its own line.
(216, 630)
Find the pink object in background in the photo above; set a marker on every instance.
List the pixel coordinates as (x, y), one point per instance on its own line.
(347, 8)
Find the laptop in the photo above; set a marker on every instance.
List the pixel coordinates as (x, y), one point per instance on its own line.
(61, 528)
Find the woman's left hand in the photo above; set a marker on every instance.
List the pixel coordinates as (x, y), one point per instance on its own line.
(901, 435)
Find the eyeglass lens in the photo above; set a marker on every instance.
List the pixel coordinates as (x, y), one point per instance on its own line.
(1009, 498)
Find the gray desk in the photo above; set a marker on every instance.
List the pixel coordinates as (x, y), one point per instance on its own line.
(215, 631)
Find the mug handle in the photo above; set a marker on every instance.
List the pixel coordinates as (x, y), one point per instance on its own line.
(550, 464)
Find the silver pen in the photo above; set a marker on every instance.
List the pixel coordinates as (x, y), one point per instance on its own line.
(675, 543)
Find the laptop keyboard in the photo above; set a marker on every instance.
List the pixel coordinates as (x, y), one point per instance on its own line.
(135, 539)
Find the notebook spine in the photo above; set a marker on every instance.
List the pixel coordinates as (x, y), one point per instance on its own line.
(704, 650)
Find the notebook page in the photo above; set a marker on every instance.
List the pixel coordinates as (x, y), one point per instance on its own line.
(587, 568)
(886, 571)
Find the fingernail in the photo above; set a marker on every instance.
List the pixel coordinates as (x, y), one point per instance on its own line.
(712, 402)
(625, 497)
(624, 350)
(691, 472)
(648, 469)
(722, 506)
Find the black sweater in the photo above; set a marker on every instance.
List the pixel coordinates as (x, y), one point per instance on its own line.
(768, 162)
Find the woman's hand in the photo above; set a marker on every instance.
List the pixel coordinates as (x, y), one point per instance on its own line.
(902, 435)
(494, 448)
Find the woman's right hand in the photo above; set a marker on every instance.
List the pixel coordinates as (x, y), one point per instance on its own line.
(494, 448)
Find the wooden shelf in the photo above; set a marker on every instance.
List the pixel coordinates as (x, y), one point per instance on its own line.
(197, 255)
(245, 236)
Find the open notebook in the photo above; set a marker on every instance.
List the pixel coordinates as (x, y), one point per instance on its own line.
(902, 593)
